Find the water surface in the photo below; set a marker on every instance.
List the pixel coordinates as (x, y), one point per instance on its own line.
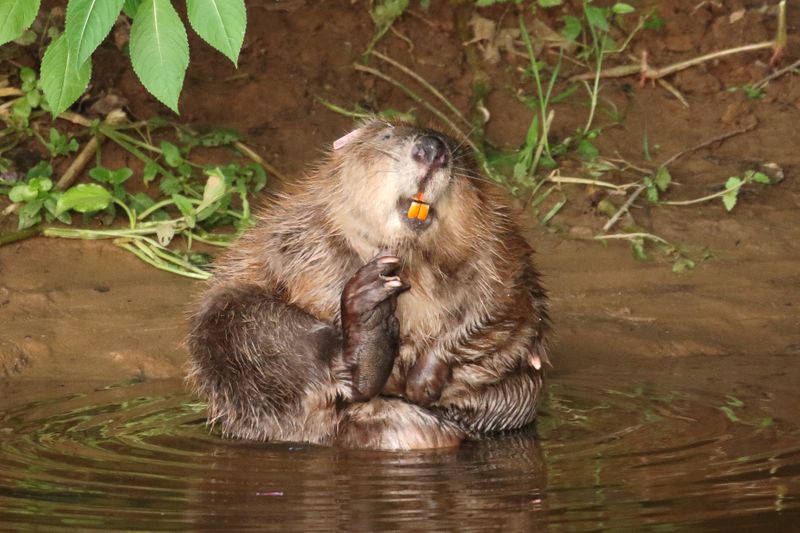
(695, 444)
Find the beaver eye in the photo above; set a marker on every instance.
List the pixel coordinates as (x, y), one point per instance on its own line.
(386, 136)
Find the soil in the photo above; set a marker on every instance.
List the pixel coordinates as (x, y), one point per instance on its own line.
(80, 310)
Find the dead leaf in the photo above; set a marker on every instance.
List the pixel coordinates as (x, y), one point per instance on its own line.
(737, 15)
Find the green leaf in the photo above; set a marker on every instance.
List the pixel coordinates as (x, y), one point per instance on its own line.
(587, 150)
(621, 8)
(760, 177)
(220, 23)
(63, 81)
(22, 193)
(42, 169)
(172, 155)
(652, 190)
(87, 24)
(572, 28)
(131, 7)
(638, 249)
(159, 50)
(730, 197)
(150, 171)
(15, 17)
(597, 17)
(682, 265)
(549, 3)
(663, 179)
(84, 198)
(30, 214)
(384, 13)
(186, 208)
(654, 22)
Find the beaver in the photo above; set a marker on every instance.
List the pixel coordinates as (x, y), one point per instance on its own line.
(388, 300)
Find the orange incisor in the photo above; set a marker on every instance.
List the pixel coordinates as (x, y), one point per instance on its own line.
(418, 209)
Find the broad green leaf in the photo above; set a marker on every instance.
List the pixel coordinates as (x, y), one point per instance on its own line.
(30, 214)
(388, 10)
(63, 81)
(88, 22)
(572, 28)
(220, 23)
(15, 17)
(22, 193)
(172, 154)
(84, 198)
(621, 8)
(760, 177)
(597, 17)
(131, 7)
(159, 50)
(730, 197)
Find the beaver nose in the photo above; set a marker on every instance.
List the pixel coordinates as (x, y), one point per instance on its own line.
(430, 150)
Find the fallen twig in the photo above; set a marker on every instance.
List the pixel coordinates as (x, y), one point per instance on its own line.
(709, 142)
(777, 74)
(624, 209)
(651, 73)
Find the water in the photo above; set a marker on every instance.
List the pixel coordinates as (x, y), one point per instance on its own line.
(678, 446)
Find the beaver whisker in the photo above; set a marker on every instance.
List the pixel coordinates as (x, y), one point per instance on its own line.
(385, 152)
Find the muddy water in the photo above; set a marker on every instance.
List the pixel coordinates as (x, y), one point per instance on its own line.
(664, 445)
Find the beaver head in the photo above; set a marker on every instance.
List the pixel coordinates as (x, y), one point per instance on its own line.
(398, 183)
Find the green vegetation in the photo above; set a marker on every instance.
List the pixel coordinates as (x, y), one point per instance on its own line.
(158, 47)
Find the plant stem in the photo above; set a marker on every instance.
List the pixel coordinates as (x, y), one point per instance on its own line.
(414, 96)
(21, 235)
(425, 84)
(704, 198)
(631, 236)
(624, 209)
(655, 73)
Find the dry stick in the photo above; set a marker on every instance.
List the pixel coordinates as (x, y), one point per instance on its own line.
(624, 209)
(247, 151)
(709, 142)
(626, 206)
(777, 74)
(656, 73)
(78, 164)
(414, 96)
(425, 84)
(10, 91)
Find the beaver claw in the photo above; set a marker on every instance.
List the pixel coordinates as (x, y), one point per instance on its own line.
(370, 329)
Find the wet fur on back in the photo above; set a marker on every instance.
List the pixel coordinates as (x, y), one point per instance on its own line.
(266, 339)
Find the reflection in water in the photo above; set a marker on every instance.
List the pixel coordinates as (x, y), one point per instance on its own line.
(140, 457)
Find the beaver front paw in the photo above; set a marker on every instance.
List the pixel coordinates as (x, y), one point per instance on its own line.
(427, 379)
(370, 329)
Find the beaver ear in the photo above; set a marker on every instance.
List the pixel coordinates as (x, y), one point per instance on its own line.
(341, 142)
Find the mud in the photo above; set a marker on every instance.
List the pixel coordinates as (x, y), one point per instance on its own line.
(85, 310)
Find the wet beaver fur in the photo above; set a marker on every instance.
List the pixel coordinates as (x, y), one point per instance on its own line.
(338, 320)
